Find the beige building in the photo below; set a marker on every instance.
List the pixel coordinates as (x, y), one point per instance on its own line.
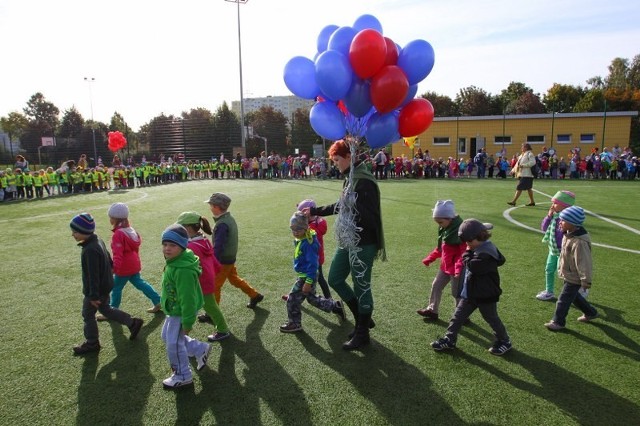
(461, 137)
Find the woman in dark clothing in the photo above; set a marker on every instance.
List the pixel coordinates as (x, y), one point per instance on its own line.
(360, 239)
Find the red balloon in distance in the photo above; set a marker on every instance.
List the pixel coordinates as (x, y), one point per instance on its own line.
(367, 53)
(392, 52)
(389, 87)
(415, 117)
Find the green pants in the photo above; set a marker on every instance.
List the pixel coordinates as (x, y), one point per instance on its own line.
(550, 272)
(213, 310)
(359, 265)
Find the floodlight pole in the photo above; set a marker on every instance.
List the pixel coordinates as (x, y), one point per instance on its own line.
(242, 140)
(90, 80)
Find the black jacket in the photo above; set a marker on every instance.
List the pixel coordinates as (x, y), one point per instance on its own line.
(97, 274)
(481, 276)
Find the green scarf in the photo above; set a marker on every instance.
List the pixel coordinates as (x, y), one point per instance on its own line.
(550, 235)
(449, 234)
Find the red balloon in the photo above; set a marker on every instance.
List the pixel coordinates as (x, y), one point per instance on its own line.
(392, 52)
(415, 117)
(117, 141)
(367, 53)
(389, 88)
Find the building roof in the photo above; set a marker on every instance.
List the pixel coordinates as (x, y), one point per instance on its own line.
(540, 116)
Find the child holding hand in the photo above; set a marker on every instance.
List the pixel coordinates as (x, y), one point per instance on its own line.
(449, 250)
(181, 300)
(202, 247)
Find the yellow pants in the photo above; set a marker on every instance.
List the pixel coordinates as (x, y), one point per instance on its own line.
(229, 272)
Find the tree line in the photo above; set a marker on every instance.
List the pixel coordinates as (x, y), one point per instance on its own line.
(200, 133)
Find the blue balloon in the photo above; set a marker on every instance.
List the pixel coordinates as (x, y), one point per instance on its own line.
(416, 60)
(327, 120)
(300, 77)
(367, 21)
(410, 95)
(341, 40)
(323, 37)
(333, 74)
(382, 129)
(358, 98)
(357, 126)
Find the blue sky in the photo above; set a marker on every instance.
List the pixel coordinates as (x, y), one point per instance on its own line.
(152, 57)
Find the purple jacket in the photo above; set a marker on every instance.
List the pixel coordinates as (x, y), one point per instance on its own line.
(559, 234)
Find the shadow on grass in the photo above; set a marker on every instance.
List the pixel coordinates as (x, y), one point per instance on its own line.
(126, 381)
(237, 400)
(566, 390)
(376, 372)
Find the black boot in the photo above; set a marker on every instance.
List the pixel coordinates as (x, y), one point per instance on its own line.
(353, 307)
(361, 334)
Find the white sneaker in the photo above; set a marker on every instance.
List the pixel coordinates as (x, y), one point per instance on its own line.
(202, 359)
(545, 295)
(173, 382)
(584, 292)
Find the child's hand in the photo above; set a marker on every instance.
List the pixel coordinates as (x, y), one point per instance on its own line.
(96, 303)
(306, 288)
(426, 262)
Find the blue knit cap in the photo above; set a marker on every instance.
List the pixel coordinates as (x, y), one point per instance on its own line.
(83, 223)
(573, 215)
(176, 234)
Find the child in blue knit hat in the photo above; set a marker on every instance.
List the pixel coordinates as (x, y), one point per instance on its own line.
(97, 282)
(181, 299)
(575, 268)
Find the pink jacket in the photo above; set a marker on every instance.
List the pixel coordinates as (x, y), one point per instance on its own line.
(451, 254)
(319, 224)
(202, 248)
(125, 244)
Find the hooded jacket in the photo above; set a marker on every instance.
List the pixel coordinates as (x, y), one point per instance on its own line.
(125, 245)
(181, 293)
(575, 265)
(97, 277)
(482, 280)
(202, 248)
(449, 249)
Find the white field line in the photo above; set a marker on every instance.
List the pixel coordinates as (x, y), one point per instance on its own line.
(142, 196)
(507, 215)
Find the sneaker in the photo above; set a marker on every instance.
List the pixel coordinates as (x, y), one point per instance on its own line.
(205, 318)
(500, 348)
(135, 327)
(173, 382)
(443, 344)
(285, 297)
(254, 301)
(101, 317)
(216, 337)
(290, 327)
(339, 311)
(545, 295)
(587, 318)
(154, 309)
(584, 292)
(554, 326)
(86, 348)
(428, 314)
(202, 359)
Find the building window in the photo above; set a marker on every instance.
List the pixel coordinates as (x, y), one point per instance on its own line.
(587, 138)
(535, 138)
(501, 139)
(462, 145)
(564, 138)
(443, 140)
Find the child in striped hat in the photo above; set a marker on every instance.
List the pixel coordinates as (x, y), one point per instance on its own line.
(575, 268)
(553, 237)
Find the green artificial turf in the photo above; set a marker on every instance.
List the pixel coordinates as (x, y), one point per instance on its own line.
(587, 374)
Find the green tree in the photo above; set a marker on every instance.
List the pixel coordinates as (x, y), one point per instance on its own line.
(302, 134)
(14, 125)
(562, 97)
(633, 75)
(473, 101)
(526, 103)
(269, 123)
(443, 106)
(71, 124)
(226, 131)
(618, 72)
(43, 120)
(592, 101)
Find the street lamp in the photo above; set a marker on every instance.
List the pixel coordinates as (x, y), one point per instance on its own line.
(242, 143)
(90, 80)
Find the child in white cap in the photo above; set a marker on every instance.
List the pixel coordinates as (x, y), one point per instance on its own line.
(125, 246)
(575, 268)
(449, 250)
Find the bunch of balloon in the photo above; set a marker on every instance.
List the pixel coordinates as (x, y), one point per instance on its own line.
(364, 84)
(117, 141)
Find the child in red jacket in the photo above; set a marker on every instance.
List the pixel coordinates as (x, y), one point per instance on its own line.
(449, 250)
(125, 244)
